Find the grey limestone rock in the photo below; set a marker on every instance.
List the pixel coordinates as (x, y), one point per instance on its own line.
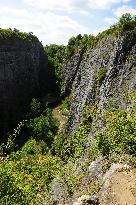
(117, 54)
(86, 200)
(23, 72)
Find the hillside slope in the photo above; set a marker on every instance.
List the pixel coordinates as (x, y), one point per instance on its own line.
(90, 159)
(103, 75)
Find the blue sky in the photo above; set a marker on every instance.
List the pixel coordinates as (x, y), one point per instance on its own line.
(55, 21)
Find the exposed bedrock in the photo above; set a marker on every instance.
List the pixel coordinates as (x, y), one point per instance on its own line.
(23, 74)
(100, 75)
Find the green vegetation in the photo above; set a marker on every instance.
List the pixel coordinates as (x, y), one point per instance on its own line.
(55, 60)
(102, 74)
(35, 107)
(65, 106)
(73, 146)
(120, 133)
(27, 170)
(58, 53)
(26, 175)
(44, 127)
(89, 114)
(126, 23)
(13, 34)
(75, 43)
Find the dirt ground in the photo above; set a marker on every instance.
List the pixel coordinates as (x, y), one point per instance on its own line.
(122, 189)
(62, 119)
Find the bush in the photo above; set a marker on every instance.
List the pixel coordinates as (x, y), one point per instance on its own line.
(35, 107)
(75, 43)
(65, 106)
(126, 22)
(26, 177)
(16, 34)
(119, 135)
(33, 147)
(56, 55)
(102, 74)
(89, 114)
(72, 146)
(44, 127)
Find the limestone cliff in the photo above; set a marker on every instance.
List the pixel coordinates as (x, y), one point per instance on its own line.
(23, 71)
(103, 74)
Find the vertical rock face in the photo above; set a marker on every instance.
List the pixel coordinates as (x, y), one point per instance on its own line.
(105, 73)
(70, 72)
(22, 63)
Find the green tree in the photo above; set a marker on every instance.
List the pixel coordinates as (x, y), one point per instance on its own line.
(56, 55)
(44, 127)
(126, 22)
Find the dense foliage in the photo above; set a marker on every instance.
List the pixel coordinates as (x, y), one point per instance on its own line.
(27, 174)
(15, 33)
(44, 127)
(75, 43)
(65, 106)
(126, 22)
(120, 133)
(72, 146)
(56, 55)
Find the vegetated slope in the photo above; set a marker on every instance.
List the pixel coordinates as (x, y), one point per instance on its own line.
(101, 81)
(79, 167)
(60, 117)
(23, 74)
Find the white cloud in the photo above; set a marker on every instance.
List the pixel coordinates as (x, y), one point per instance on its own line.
(64, 5)
(49, 4)
(73, 5)
(49, 27)
(110, 21)
(124, 9)
(104, 4)
(51, 20)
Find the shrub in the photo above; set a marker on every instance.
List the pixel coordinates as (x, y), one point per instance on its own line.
(26, 177)
(119, 135)
(33, 147)
(71, 178)
(102, 74)
(35, 107)
(89, 114)
(56, 55)
(71, 146)
(126, 22)
(44, 127)
(15, 33)
(65, 106)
